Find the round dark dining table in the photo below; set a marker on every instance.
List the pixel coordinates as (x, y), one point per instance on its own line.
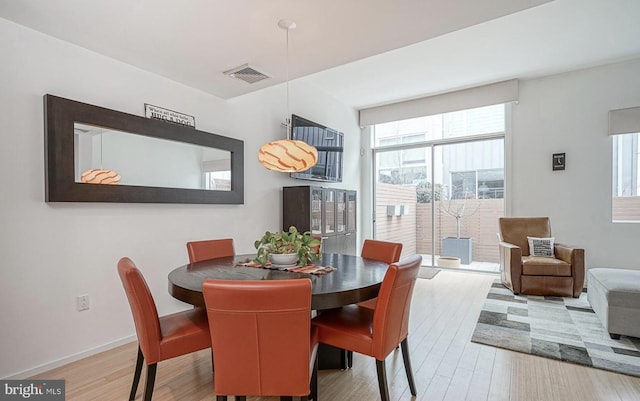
(355, 279)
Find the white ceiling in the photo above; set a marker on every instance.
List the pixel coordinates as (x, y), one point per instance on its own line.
(363, 52)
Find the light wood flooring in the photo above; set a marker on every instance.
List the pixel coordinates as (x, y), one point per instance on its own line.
(446, 365)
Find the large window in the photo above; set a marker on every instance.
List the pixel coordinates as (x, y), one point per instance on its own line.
(447, 170)
(457, 124)
(626, 185)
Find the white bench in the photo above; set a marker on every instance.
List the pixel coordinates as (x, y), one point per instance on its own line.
(614, 295)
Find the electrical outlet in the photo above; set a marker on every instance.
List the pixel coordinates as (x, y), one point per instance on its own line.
(83, 302)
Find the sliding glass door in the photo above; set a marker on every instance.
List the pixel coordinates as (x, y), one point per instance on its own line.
(439, 186)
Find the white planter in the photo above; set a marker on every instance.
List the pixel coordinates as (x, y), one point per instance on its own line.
(284, 258)
(448, 261)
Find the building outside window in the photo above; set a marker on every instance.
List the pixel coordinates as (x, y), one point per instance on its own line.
(626, 185)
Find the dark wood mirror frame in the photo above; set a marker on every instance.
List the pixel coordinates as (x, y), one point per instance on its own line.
(60, 185)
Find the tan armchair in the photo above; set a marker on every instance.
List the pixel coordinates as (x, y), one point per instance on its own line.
(561, 275)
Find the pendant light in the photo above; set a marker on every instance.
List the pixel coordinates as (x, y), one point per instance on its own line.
(287, 155)
(100, 175)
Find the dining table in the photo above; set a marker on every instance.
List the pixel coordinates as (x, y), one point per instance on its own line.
(355, 279)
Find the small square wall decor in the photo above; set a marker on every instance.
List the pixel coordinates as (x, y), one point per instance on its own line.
(558, 161)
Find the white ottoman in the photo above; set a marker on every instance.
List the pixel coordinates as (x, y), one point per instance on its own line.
(614, 295)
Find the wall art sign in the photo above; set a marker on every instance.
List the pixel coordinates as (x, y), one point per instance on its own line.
(159, 113)
(558, 161)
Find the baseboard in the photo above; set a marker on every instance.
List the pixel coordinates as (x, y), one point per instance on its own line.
(71, 358)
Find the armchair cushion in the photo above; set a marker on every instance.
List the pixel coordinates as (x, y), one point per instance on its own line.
(543, 266)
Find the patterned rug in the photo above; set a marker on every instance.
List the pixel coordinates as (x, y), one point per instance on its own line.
(554, 327)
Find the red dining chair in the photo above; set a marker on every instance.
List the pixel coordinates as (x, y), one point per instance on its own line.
(265, 345)
(210, 249)
(376, 333)
(159, 338)
(383, 251)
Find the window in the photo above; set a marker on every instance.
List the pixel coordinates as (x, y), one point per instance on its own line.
(463, 185)
(217, 180)
(480, 184)
(437, 164)
(456, 124)
(491, 184)
(626, 170)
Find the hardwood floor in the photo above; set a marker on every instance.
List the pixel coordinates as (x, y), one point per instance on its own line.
(446, 365)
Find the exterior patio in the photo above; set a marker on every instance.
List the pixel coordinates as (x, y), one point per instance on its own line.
(413, 228)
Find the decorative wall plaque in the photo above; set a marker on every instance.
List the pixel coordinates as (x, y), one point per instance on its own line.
(558, 161)
(158, 113)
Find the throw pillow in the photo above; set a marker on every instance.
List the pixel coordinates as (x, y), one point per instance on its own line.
(541, 246)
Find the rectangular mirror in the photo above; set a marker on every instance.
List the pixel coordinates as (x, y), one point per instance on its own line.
(101, 155)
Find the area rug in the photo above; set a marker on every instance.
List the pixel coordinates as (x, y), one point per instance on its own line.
(560, 328)
(428, 272)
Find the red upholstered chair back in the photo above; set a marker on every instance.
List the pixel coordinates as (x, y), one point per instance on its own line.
(388, 252)
(143, 308)
(391, 316)
(260, 331)
(210, 249)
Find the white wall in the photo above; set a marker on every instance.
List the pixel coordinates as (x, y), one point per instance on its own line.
(569, 113)
(566, 113)
(51, 253)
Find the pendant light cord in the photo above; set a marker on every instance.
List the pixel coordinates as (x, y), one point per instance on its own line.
(288, 118)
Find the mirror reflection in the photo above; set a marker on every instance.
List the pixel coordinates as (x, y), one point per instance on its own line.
(141, 160)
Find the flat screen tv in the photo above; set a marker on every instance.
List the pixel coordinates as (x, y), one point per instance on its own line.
(330, 145)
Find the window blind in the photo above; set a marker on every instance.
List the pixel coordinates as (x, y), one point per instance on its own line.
(624, 121)
(500, 92)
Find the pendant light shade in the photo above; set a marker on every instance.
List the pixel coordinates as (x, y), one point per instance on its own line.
(288, 156)
(100, 176)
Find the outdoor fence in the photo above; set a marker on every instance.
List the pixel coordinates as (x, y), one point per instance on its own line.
(414, 228)
(626, 208)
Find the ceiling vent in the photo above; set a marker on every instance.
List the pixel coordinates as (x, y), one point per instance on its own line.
(247, 74)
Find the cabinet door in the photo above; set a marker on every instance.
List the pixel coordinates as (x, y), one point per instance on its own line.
(329, 205)
(349, 244)
(341, 211)
(316, 211)
(331, 244)
(351, 212)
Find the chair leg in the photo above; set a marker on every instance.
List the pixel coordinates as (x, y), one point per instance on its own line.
(314, 382)
(286, 398)
(151, 379)
(349, 359)
(407, 366)
(241, 398)
(221, 398)
(136, 375)
(381, 367)
(213, 369)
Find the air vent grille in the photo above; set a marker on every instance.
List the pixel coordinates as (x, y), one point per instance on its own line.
(247, 74)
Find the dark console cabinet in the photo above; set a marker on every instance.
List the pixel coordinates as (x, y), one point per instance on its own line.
(329, 213)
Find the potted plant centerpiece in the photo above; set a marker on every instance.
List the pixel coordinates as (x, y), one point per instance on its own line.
(287, 248)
